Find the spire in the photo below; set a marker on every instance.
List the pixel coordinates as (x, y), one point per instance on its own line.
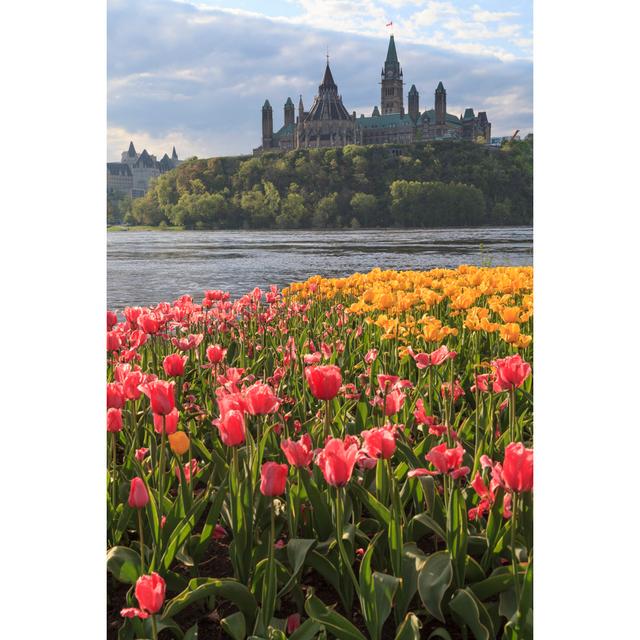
(440, 87)
(132, 150)
(288, 102)
(375, 111)
(327, 80)
(174, 155)
(413, 90)
(300, 105)
(392, 56)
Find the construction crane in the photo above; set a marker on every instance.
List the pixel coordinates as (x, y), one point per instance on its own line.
(513, 137)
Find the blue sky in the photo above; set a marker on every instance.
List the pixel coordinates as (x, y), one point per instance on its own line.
(196, 73)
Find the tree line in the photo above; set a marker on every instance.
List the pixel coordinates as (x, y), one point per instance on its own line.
(436, 184)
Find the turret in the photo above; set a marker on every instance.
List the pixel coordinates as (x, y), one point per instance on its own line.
(174, 155)
(391, 96)
(441, 104)
(300, 110)
(414, 103)
(289, 112)
(267, 125)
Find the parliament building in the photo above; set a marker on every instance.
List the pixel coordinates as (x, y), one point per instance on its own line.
(328, 123)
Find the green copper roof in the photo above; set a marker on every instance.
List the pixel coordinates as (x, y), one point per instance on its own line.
(430, 115)
(392, 56)
(468, 114)
(385, 121)
(440, 86)
(285, 131)
(266, 105)
(289, 102)
(413, 90)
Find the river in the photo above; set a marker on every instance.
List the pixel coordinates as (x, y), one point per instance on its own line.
(147, 267)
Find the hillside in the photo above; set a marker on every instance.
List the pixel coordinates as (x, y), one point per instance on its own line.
(436, 184)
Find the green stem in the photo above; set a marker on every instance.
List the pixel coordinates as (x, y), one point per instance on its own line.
(141, 541)
(161, 466)
(154, 627)
(114, 483)
(341, 549)
(514, 561)
(327, 420)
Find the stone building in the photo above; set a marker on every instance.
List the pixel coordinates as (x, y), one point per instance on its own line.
(329, 124)
(131, 176)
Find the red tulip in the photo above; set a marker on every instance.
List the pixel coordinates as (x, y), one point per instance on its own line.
(293, 622)
(149, 323)
(160, 392)
(190, 342)
(133, 612)
(141, 454)
(458, 391)
(420, 414)
(517, 468)
(336, 461)
(260, 400)
(150, 591)
(445, 461)
(298, 454)
(215, 353)
(169, 422)
(393, 402)
(112, 320)
(231, 428)
(132, 382)
(324, 381)
(230, 401)
(113, 341)
(441, 354)
(174, 365)
(219, 532)
(510, 373)
(114, 420)
(138, 496)
(273, 479)
(370, 356)
(379, 443)
(387, 382)
(482, 383)
(115, 395)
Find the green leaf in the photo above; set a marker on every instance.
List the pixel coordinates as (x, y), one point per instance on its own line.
(472, 613)
(125, 515)
(410, 628)
(322, 521)
(124, 564)
(421, 524)
(235, 625)
(457, 534)
(333, 622)
(441, 633)
(200, 588)
(433, 581)
(308, 630)
(297, 550)
(375, 507)
(212, 518)
(500, 580)
(413, 560)
(192, 633)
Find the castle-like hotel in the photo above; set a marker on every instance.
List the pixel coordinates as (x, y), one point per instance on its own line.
(131, 176)
(329, 124)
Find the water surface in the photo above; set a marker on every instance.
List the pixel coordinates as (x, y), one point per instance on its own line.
(147, 267)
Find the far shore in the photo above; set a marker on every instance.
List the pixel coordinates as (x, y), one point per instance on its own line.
(119, 228)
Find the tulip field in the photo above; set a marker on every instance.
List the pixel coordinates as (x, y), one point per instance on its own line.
(345, 458)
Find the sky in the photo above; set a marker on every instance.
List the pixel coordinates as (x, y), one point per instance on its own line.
(195, 74)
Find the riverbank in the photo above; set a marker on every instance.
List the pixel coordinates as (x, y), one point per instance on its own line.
(143, 227)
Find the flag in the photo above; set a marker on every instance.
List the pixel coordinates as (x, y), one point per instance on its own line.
(389, 24)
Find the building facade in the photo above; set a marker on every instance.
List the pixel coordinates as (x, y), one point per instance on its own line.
(132, 175)
(328, 123)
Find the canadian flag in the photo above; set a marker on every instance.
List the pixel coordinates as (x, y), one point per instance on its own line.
(389, 24)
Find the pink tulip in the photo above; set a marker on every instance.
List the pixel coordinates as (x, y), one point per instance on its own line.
(138, 495)
(379, 443)
(324, 381)
(298, 454)
(173, 365)
(260, 400)
(114, 420)
(161, 394)
(231, 428)
(336, 461)
(168, 422)
(273, 479)
(510, 373)
(517, 468)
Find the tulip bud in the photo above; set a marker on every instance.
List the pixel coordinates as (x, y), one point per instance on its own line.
(179, 442)
(138, 496)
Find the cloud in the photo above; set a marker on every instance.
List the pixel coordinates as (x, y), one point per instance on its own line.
(197, 77)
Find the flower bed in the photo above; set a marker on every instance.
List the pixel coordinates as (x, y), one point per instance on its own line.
(347, 457)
